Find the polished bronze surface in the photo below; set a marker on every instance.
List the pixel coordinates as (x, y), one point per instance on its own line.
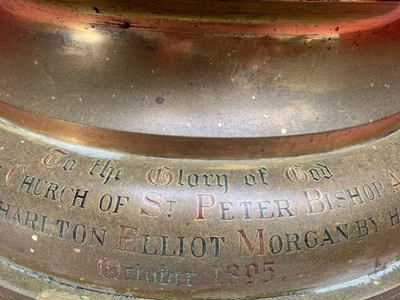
(199, 149)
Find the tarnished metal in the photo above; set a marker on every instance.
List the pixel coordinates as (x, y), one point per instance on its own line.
(199, 149)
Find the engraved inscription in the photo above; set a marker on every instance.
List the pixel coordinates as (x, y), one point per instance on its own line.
(295, 173)
(260, 178)
(53, 191)
(47, 189)
(133, 241)
(159, 275)
(262, 242)
(108, 202)
(11, 172)
(153, 206)
(63, 229)
(69, 165)
(395, 181)
(110, 268)
(106, 170)
(247, 274)
(228, 210)
(163, 176)
(208, 180)
(319, 202)
(231, 228)
(160, 176)
(51, 158)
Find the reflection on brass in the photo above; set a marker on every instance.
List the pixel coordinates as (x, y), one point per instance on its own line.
(199, 149)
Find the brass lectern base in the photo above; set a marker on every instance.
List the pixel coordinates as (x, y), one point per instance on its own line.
(199, 150)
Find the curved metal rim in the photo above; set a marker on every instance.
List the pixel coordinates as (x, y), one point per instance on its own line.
(199, 147)
(244, 23)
